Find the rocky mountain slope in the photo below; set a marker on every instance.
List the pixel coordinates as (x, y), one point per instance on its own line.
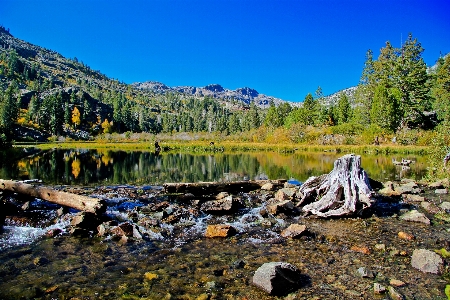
(216, 91)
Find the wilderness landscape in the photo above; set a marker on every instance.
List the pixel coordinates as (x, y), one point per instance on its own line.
(68, 127)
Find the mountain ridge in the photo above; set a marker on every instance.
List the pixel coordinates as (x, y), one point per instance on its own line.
(246, 95)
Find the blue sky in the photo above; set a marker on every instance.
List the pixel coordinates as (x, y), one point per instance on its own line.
(282, 48)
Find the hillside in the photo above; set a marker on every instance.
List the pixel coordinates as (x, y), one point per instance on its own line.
(51, 88)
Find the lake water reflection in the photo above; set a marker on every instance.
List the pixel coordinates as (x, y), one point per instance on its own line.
(105, 167)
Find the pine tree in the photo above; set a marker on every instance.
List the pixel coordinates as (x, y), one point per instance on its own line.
(9, 108)
(410, 74)
(343, 109)
(384, 111)
(365, 91)
(441, 91)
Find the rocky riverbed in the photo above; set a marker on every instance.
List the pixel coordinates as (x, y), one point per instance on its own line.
(153, 245)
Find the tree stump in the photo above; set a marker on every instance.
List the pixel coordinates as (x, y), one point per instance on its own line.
(343, 191)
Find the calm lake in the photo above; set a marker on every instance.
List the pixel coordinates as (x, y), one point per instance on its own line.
(112, 167)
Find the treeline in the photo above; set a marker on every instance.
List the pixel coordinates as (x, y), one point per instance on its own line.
(64, 97)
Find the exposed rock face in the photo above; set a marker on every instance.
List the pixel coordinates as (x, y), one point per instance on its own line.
(427, 261)
(245, 95)
(277, 278)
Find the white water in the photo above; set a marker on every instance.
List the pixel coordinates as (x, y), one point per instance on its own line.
(24, 235)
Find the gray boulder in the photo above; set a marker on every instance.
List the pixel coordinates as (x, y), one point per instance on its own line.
(277, 278)
(415, 216)
(223, 206)
(427, 261)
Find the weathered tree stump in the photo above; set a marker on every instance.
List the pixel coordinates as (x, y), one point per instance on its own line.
(343, 191)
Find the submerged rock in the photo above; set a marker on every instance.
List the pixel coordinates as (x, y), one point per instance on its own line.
(427, 261)
(277, 278)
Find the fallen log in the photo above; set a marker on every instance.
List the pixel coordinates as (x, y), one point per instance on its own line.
(207, 188)
(343, 191)
(79, 202)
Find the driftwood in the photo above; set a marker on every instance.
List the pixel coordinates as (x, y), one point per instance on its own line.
(79, 202)
(207, 188)
(343, 191)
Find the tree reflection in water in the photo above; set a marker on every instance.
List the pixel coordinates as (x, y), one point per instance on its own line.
(93, 167)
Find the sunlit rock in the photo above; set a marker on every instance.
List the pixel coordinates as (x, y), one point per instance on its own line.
(224, 231)
(294, 231)
(427, 261)
(415, 216)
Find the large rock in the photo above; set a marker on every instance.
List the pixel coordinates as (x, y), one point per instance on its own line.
(285, 194)
(415, 216)
(213, 231)
(281, 207)
(294, 231)
(277, 278)
(412, 198)
(427, 261)
(408, 188)
(223, 206)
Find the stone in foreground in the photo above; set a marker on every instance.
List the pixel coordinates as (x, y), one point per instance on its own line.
(427, 261)
(277, 278)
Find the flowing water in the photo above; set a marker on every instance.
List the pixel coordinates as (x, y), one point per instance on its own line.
(176, 261)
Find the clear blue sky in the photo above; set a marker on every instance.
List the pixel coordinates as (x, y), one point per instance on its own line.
(282, 48)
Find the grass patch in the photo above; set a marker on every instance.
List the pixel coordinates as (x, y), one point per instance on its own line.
(230, 147)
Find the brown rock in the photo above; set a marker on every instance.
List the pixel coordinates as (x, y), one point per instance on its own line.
(405, 236)
(429, 207)
(268, 186)
(220, 231)
(294, 231)
(280, 195)
(123, 229)
(361, 249)
(396, 282)
(222, 195)
(280, 207)
(412, 198)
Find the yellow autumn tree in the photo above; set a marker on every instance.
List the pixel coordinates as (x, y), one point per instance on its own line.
(107, 126)
(76, 168)
(76, 117)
